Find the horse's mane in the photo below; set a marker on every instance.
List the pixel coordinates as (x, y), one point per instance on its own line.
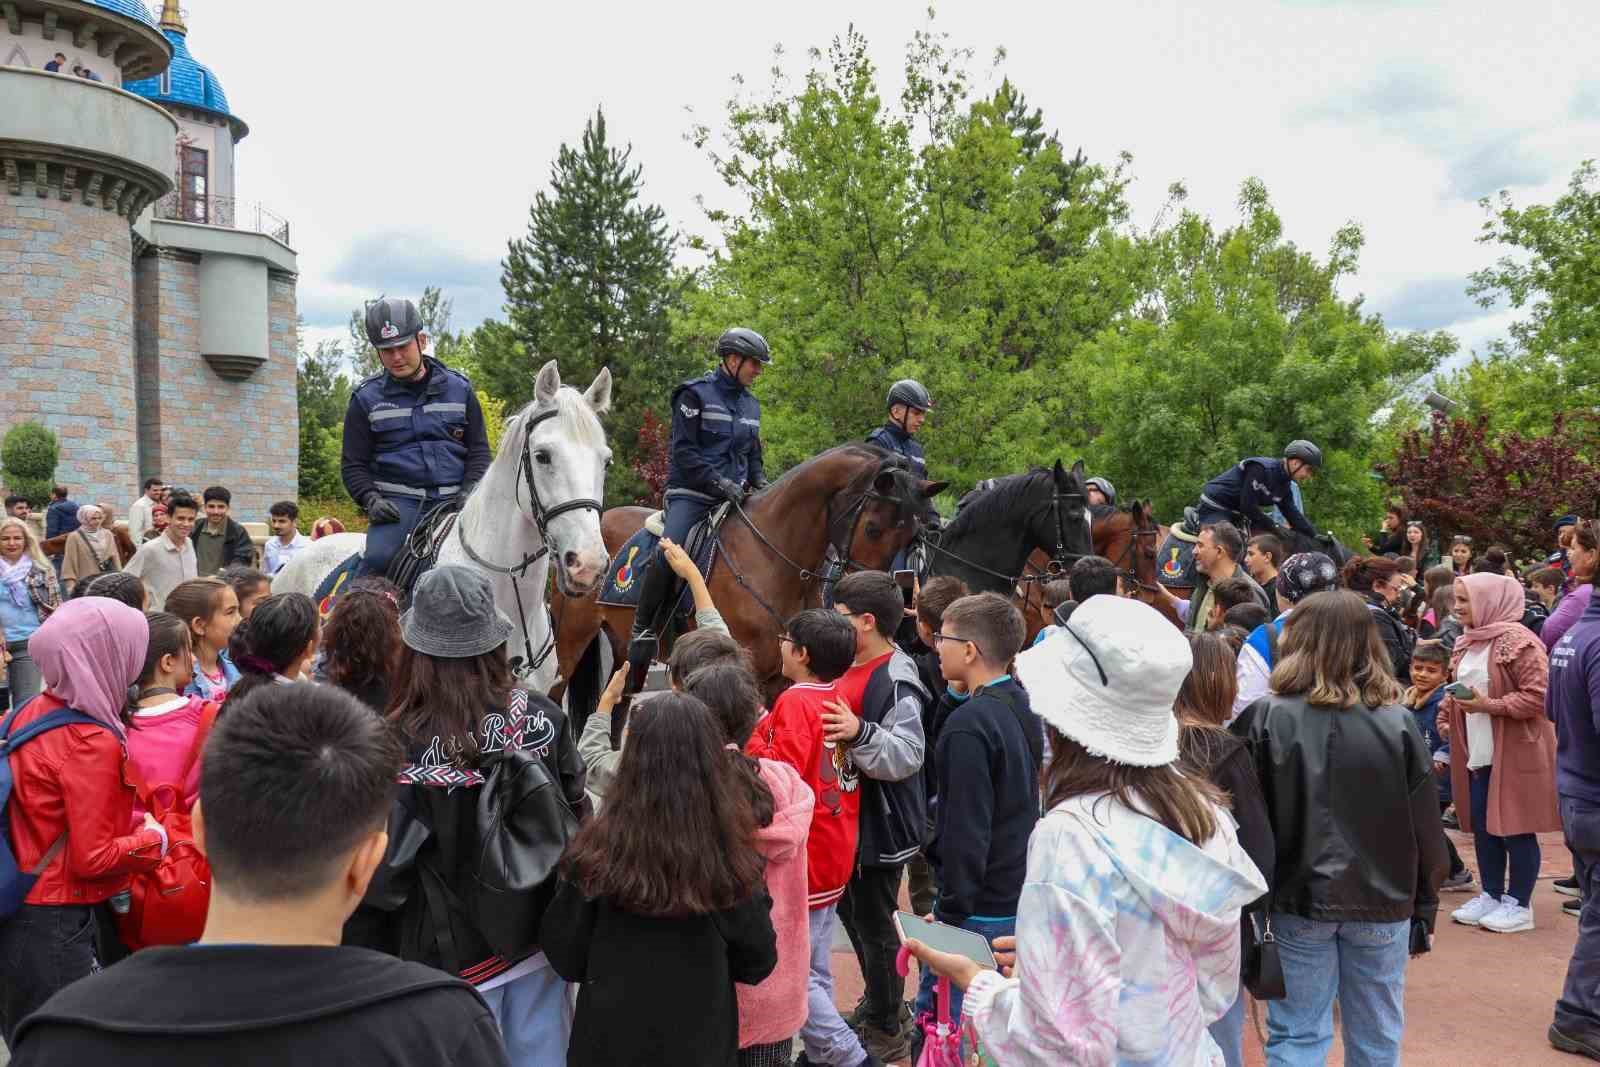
(1008, 493)
(576, 418)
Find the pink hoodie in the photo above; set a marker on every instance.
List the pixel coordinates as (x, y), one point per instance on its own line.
(160, 743)
(773, 1011)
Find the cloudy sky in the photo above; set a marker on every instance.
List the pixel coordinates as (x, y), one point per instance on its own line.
(404, 139)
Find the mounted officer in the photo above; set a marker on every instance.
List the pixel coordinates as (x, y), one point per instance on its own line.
(716, 456)
(908, 404)
(1253, 485)
(414, 435)
(1101, 493)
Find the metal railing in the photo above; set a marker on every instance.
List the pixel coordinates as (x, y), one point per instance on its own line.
(225, 211)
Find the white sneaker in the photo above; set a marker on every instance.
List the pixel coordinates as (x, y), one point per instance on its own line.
(1509, 918)
(1472, 912)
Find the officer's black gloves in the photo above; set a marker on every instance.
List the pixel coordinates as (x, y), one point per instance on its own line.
(380, 512)
(459, 501)
(731, 490)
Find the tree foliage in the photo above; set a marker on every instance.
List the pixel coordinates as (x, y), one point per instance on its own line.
(1459, 477)
(323, 391)
(28, 457)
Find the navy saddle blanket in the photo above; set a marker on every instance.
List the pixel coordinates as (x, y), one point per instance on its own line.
(1175, 562)
(328, 592)
(626, 575)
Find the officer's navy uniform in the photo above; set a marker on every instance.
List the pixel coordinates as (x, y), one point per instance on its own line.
(416, 443)
(716, 435)
(1247, 488)
(893, 439)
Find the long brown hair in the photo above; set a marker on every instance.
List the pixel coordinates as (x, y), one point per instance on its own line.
(434, 696)
(1183, 803)
(1207, 693)
(1586, 535)
(677, 834)
(1332, 655)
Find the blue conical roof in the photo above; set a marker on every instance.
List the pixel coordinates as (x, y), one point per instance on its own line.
(133, 9)
(190, 82)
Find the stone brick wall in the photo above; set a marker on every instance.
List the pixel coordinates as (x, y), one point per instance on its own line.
(201, 429)
(66, 338)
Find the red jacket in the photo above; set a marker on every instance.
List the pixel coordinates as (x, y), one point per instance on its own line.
(72, 779)
(792, 733)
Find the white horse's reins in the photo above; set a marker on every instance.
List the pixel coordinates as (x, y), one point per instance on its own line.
(542, 517)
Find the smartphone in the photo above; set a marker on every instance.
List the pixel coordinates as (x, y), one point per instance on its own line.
(907, 580)
(945, 938)
(1459, 690)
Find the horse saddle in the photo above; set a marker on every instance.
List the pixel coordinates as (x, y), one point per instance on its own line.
(415, 557)
(632, 562)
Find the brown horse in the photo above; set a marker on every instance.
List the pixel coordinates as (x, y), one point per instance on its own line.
(1129, 539)
(857, 498)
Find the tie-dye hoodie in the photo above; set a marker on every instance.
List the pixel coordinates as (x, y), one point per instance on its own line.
(1127, 943)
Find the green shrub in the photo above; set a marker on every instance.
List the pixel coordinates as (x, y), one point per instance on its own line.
(28, 458)
(342, 508)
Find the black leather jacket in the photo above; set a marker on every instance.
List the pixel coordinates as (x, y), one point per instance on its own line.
(1354, 810)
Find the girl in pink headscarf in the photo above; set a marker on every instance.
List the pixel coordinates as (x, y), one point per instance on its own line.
(1502, 749)
(70, 810)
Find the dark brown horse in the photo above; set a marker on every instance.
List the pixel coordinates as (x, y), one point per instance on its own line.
(1129, 539)
(857, 498)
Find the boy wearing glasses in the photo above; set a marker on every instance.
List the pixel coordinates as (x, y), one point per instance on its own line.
(818, 647)
(987, 762)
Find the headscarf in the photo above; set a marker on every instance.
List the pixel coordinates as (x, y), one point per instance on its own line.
(1305, 573)
(89, 651)
(103, 540)
(1497, 607)
(158, 516)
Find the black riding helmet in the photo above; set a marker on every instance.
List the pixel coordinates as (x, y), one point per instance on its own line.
(746, 344)
(1306, 452)
(909, 391)
(391, 323)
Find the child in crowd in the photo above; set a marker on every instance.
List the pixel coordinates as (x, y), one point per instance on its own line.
(1547, 584)
(211, 609)
(278, 643)
(1058, 605)
(878, 718)
(770, 1013)
(987, 761)
(165, 721)
(248, 584)
(660, 907)
(361, 641)
(119, 585)
(1430, 670)
(818, 647)
(932, 600)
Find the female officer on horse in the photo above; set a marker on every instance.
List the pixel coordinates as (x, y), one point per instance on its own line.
(414, 435)
(716, 456)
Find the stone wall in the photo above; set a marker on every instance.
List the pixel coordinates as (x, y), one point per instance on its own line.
(66, 337)
(199, 429)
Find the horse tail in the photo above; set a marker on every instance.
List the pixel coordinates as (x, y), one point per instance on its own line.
(585, 685)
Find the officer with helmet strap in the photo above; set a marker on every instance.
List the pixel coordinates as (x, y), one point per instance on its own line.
(908, 404)
(1253, 485)
(414, 435)
(1102, 494)
(716, 456)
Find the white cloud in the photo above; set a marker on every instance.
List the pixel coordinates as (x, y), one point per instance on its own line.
(404, 140)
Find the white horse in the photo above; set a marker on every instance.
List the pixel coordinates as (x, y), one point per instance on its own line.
(509, 537)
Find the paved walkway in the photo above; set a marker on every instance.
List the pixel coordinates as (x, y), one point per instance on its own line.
(1477, 998)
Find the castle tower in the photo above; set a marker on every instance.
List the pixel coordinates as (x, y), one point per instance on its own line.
(149, 314)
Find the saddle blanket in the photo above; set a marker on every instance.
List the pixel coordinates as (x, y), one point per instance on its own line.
(328, 592)
(633, 562)
(1175, 562)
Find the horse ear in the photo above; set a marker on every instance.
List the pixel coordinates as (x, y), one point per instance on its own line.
(930, 490)
(1060, 471)
(599, 392)
(548, 383)
(1077, 471)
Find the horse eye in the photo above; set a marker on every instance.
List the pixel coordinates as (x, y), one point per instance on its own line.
(543, 457)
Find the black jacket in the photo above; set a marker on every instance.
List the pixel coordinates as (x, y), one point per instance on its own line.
(237, 548)
(1224, 761)
(261, 1006)
(890, 752)
(1354, 810)
(1398, 638)
(656, 990)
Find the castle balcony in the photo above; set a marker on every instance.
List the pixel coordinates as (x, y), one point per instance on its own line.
(225, 211)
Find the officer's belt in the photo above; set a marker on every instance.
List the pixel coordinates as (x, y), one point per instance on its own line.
(421, 494)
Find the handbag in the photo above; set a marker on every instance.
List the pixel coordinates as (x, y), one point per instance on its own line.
(1261, 969)
(105, 566)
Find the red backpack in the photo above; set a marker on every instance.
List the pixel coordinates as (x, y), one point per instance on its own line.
(168, 905)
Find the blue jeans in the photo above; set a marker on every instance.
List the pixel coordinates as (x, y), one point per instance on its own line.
(990, 929)
(43, 949)
(1495, 853)
(1361, 964)
(534, 1014)
(1228, 1032)
(1578, 1010)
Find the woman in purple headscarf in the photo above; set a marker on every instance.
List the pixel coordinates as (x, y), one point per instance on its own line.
(70, 806)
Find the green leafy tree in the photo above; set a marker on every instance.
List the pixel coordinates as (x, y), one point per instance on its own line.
(1241, 343)
(433, 309)
(944, 238)
(323, 391)
(591, 284)
(28, 458)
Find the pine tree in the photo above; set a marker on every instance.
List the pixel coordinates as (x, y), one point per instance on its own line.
(591, 285)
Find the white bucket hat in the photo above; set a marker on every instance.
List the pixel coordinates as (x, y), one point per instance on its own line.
(1107, 680)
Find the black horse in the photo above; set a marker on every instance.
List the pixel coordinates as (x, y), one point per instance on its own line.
(1000, 524)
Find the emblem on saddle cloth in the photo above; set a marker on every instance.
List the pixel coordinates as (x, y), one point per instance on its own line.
(1175, 561)
(626, 574)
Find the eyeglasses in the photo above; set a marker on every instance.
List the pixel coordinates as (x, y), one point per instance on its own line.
(1087, 648)
(786, 639)
(950, 637)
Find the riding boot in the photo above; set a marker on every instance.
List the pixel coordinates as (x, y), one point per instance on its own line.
(647, 622)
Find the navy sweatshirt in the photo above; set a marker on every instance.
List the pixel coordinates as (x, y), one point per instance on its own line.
(1573, 703)
(987, 761)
